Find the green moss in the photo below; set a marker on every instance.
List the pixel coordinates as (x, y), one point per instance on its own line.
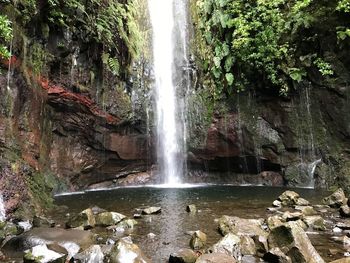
(40, 187)
(38, 58)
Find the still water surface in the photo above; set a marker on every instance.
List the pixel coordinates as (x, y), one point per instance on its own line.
(171, 225)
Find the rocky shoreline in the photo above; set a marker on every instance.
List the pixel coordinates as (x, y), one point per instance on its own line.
(284, 235)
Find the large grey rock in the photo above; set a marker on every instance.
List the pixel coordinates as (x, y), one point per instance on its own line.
(41, 254)
(109, 218)
(84, 219)
(241, 227)
(72, 240)
(184, 255)
(230, 245)
(198, 240)
(293, 241)
(216, 258)
(93, 254)
(337, 199)
(125, 251)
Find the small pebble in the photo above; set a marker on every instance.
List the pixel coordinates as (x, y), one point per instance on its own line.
(337, 230)
(151, 235)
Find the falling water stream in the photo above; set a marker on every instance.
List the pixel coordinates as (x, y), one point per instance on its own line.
(168, 41)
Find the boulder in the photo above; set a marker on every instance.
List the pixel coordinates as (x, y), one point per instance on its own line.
(41, 254)
(198, 240)
(124, 225)
(275, 255)
(216, 258)
(344, 211)
(72, 240)
(241, 227)
(109, 218)
(152, 210)
(315, 222)
(230, 245)
(125, 251)
(84, 219)
(191, 209)
(274, 221)
(260, 245)
(289, 198)
(336, 200)
(247, 246)
(293, 241)
(184, 255)
(93, 254)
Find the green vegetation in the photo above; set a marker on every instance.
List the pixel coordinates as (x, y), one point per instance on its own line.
(110, 23)
(5, 36)
(241, 43)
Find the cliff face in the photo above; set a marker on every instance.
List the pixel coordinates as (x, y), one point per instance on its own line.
(68, 120)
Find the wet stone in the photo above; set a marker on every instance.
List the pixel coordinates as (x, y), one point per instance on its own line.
(152, 210)
(84, 219)
(302, 202)
(184, 255)
(289, 216)
(275, 255)
(336, 200)
(92, 254)
(277, 203)
(344, 211)
(191, 209)
(315, 222)
(289, 198)
(230, 245)
(41, 254)
(306, 210)
(198, 240)
(109, 218)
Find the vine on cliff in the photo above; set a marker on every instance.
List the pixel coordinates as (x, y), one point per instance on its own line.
(5, 36)
(243, 43)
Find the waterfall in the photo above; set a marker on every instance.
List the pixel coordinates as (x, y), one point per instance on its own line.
(2, 209)
(169, 52)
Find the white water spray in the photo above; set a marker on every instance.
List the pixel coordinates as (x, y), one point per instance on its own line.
(2, 209)
(169, 128)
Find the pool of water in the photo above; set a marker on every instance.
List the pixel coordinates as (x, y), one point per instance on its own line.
(171, 225)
